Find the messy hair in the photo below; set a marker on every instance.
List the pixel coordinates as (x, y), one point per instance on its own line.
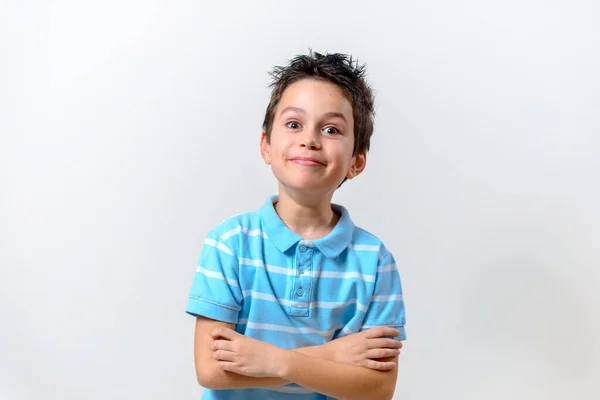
(339, 69)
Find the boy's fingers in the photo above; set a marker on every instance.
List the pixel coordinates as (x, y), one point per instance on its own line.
(222, 345)
(227, 366)
(224, 333)
(380, 366)
(384, 343)
(224, 355)
(382, 353)
(381, 331)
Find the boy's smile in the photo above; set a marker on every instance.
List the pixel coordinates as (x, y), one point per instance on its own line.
(312, 139)
(308, 161)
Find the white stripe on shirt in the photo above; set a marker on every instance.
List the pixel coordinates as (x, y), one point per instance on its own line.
(216, 275)
(387, 268)
(393, 297)
(249, 232)
(364, 247)
(318, 304)
(270, 268)
(346, 275)
(218, 245)
(281, 328)
(320, 274)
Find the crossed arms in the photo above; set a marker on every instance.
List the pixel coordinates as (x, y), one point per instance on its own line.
(358, 366)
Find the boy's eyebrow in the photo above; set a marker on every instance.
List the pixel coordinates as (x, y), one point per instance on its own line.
(330, 114)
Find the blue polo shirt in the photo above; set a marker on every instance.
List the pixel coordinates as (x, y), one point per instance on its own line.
(256, 273)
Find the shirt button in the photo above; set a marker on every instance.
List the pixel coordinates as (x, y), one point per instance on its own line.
(301, 270)
(303, 248)
(300, 292)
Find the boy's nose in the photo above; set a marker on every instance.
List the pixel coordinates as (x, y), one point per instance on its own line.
(310, 139)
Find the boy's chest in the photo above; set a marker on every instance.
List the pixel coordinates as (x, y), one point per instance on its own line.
(305, 292)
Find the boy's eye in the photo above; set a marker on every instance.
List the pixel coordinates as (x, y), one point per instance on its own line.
(293, 125)
(331, 130)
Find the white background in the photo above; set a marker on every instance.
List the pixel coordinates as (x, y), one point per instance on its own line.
(129, 129)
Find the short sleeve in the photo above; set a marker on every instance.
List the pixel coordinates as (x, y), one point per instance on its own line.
(215, 291)
(386, 307)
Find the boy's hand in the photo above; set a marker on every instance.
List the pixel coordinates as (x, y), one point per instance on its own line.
(243, 355)
(365, 348)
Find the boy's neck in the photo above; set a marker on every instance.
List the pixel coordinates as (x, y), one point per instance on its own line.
(310, 219)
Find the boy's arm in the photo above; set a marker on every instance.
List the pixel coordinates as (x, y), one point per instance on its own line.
(212, 377)
(370, 349)
(341, 381)
(253, 358)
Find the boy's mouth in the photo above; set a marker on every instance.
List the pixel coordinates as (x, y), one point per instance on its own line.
(307, 161)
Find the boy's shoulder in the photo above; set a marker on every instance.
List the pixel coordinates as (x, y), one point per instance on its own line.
(363, 239)
(241, 222)
(366, 236)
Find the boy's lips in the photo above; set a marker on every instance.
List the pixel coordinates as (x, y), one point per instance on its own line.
(309, 161)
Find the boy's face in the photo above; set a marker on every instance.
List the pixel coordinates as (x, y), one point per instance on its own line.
(312, 139)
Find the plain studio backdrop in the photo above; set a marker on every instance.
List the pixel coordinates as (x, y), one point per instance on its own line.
(130, 129)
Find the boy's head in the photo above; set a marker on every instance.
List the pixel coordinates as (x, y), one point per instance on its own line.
(321, 107)
(338, 69)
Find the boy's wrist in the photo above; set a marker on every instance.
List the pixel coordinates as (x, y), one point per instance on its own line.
(319, 351)
(326, 352)
(288, 358)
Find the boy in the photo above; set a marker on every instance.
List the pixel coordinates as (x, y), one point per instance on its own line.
(285, 297)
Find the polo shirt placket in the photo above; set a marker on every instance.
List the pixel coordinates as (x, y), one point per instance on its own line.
(302, 288)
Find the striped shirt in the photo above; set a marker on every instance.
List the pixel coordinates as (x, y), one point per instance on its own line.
(256, 273)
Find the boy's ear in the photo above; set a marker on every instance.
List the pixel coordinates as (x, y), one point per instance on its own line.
(265, 148)
(359, 162)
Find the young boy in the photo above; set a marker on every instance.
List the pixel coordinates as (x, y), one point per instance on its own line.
(294, 301)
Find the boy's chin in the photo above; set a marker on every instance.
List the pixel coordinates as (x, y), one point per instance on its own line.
(308, 188)
(306, 184)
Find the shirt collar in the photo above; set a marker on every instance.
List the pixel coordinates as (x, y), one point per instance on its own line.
(283, 238)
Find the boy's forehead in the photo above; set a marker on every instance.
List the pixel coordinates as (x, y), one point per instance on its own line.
(314, 96)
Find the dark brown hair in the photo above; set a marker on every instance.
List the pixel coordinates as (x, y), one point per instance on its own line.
(339, 69)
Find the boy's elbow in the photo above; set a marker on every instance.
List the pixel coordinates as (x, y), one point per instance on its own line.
(388, 393)
(388, 388)
(383, 392)
(386, 382)
(207, 377)
(203, 378)
(380, 392)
